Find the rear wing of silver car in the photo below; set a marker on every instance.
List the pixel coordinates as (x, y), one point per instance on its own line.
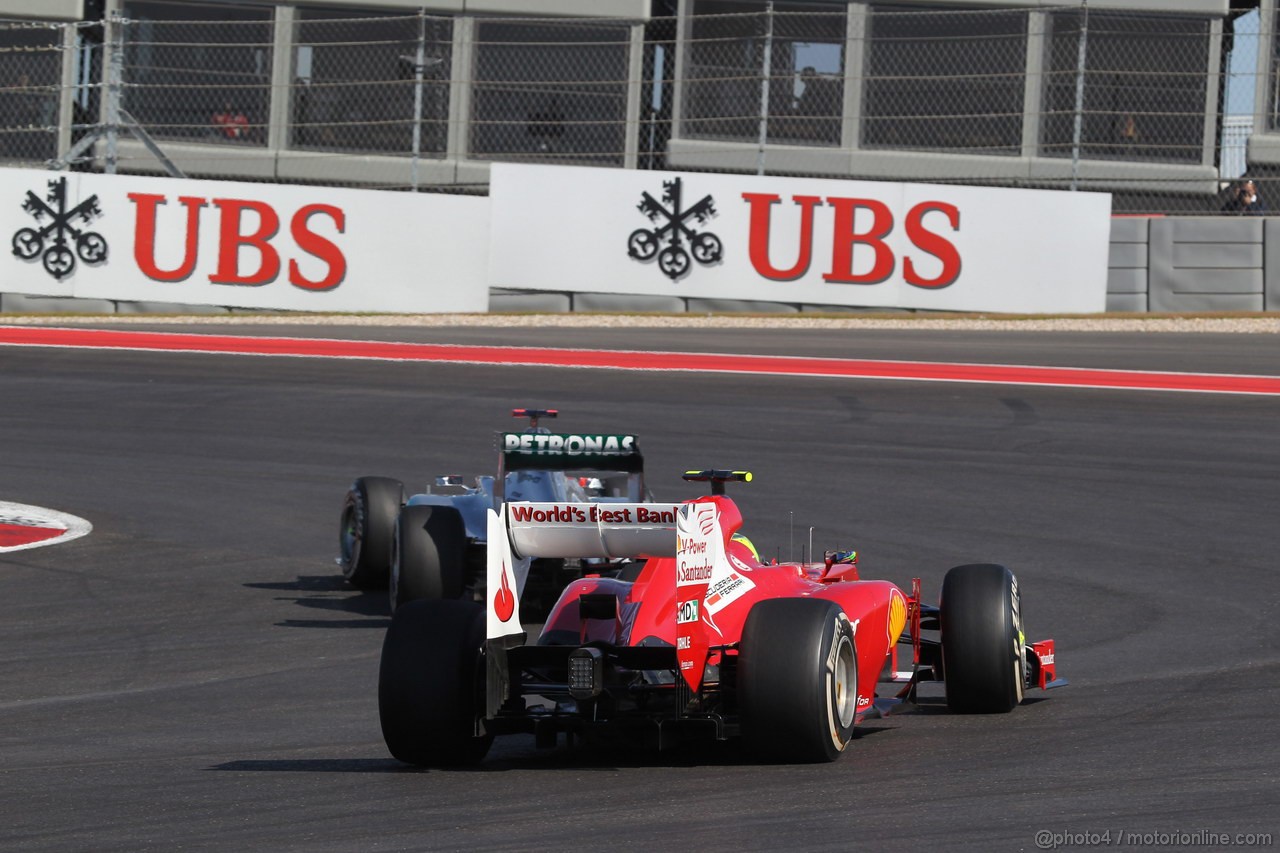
(570, 452)
(520, 531)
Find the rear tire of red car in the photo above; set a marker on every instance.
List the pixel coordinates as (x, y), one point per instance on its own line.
(430, 683)
(797, 680)
(364, 534)
(982, 638)
(427, 555)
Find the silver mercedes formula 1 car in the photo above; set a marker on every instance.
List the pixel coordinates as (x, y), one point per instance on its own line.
(433, 545)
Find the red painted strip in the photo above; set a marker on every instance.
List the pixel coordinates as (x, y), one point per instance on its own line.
(20, 534)
(629, 360)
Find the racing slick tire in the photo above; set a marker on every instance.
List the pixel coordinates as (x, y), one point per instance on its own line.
(428, 554)
(364, 535)
(983, 667)
(797, 680)
(430, 683)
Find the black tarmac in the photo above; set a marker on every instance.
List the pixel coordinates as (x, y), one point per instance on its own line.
(194, 675)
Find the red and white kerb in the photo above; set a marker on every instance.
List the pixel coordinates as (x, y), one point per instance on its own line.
(23, 527)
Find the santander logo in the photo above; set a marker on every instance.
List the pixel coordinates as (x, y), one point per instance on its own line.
(504, 602)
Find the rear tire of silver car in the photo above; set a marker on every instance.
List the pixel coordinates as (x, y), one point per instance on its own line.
(797, 680)
(982, 638)
(364, 534)
(428, 554)
(431, 685)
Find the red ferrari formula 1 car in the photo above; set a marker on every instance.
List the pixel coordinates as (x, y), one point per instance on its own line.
(698, 637)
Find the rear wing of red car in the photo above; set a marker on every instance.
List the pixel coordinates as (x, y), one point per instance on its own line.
(521, 531)
(690, 532)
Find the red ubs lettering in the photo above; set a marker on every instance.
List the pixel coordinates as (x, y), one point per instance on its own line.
(232, 237)
(856, 221)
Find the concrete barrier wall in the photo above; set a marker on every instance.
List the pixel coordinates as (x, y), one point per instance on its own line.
(1157, 264)
(1127, 265)
(1194, 264)
(1183, 264)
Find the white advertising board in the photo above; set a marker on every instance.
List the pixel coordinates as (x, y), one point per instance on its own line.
(799, 240)
(242, 245)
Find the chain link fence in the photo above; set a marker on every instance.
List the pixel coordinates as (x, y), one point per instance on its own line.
(30, 83)
(1156, 108)
(197, 81)
(800, 100)
(1145, 85)
(357, 83)
(952, 81)
(550, 92)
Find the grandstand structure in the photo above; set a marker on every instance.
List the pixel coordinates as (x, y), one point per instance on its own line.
(1134, 97)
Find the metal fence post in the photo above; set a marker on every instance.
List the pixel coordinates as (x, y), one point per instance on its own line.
(1264, 69)
(115, 82)
(458, 139)
(1213, 109)
(855, 62)
(639, 99)
(66, 93)
(280, 108)
(765, 73)
(680, 68)
(1038, 47)
(1081, 56)
(419, 69)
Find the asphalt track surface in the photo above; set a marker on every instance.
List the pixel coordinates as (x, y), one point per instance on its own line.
(192, 675)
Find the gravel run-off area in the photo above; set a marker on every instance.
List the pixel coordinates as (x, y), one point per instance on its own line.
(1268, 323)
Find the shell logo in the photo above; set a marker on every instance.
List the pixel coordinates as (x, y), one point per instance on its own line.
(504, 603)
(897, 616)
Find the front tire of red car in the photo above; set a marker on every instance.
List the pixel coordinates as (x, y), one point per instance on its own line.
(982, 638)
(797, 680)
(430, 684)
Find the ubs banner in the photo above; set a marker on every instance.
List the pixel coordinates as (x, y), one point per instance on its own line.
(241, 244)
(824, 242)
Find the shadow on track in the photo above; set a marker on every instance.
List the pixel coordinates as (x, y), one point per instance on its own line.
(380, 624)
(330, 593)
(520, 754)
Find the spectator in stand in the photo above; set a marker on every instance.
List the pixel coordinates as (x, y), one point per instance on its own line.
(231, 122)
(818, 108)
(1245, 201)
(821, 95)
(1127, 135)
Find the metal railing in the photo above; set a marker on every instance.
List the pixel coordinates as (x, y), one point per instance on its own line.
(1137, 104)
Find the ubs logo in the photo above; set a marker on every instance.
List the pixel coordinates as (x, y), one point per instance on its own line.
(672, 226)
(58, 233)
